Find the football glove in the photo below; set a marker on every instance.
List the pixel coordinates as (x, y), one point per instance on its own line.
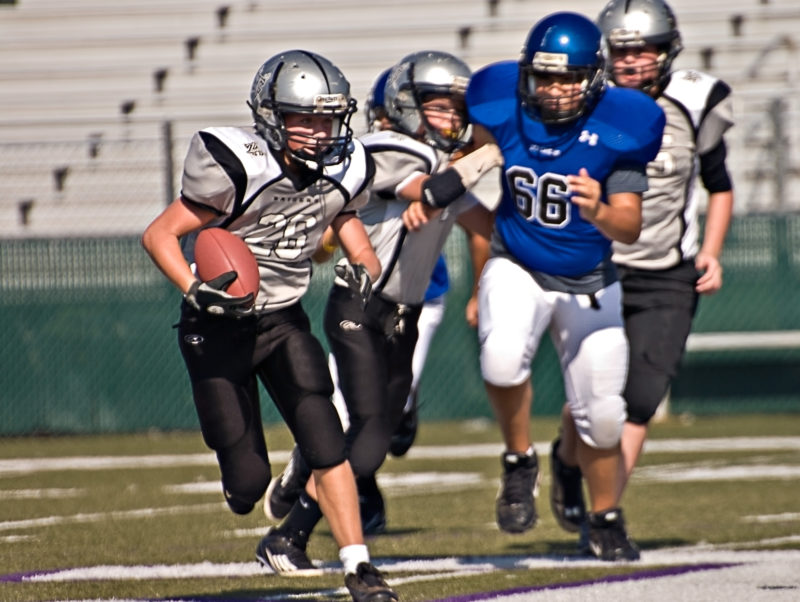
(357, 279)
(211, 297)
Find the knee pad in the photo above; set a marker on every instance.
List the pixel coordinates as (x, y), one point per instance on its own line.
(643, 394)
(501, 362)
(600, 426)
(245, 477)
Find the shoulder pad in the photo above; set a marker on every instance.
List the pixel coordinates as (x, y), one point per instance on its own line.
(389, 140)
(631, 123)
(492, 93)
(696, 92)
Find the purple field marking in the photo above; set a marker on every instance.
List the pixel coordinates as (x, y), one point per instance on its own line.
(650, 574)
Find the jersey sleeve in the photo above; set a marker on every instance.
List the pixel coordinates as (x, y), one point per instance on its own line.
(396, 157)
(205, 180)
(717, 119)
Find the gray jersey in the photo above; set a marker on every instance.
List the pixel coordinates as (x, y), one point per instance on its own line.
(699, 110)
(231, 171)
(407, 258)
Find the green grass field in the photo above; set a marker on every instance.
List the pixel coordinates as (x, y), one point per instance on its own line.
(143, 518)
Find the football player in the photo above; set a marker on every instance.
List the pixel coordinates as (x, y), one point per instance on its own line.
(278, 186)
(665, 270)
(374, 345)
(575, 154)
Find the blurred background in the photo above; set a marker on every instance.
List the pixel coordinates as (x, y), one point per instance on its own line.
(98, 101)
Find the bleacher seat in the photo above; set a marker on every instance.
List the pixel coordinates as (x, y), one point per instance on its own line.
(76, 70)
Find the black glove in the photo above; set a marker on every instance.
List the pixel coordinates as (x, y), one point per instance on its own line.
(211, 297)
(357, 279)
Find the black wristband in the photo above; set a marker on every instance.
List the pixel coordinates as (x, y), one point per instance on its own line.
(443, 188)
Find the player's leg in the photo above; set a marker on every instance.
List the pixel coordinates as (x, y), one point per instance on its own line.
(658, 312)
(218, 355)
(294, 370)
(428, 323)
(514, 311)
(593, 351)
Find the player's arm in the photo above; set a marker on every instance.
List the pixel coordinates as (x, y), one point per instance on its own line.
(477, 222)
(620, 219)
(355, 242)
(717, 181)
(327, 246)
(161, 240)
(428, 193)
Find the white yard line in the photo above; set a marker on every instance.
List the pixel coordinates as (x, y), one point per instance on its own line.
(17, 466)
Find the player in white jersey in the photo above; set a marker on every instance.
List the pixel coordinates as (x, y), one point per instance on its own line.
(665, 270)
(373, 346)
(278, 186)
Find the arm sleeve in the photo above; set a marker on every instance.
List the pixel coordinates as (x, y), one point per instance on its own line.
(713, 171)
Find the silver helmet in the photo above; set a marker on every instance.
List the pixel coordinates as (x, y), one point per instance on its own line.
(298, 81)
(636, 23)
(412, 80)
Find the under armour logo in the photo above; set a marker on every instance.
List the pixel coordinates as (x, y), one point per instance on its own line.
(349, 325)
(589, 138)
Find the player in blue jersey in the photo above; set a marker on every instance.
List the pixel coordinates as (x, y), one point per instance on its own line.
(574, 156)
(664, 272)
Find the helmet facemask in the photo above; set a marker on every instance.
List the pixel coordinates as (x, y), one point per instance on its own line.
(580, 87)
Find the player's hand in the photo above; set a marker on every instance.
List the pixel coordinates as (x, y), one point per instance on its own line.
(710, 269)
(357, 279)
(211, 297)
(418, 214)
(471, 311)
(585, 194)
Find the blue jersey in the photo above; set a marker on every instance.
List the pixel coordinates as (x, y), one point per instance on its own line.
(536, 220)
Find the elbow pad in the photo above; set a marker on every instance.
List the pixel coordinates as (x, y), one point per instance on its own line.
(442, 189)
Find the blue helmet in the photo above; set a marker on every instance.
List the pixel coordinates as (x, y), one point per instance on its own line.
(375, 104)
(567, 48)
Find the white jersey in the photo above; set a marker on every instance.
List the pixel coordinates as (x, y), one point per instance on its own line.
(407, 258)
(231, 171)
(699, 110)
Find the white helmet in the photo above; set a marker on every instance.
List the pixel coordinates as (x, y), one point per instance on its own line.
(298, 81)
(415, 77)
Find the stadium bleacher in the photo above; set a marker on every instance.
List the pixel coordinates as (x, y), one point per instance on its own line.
(75, 72)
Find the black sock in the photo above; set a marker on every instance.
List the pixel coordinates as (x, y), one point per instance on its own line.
(301, 520)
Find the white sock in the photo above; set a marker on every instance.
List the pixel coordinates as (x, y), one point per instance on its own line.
(352, 555)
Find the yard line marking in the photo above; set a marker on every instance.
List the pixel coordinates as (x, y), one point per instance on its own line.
(48, 521)
(16, 466)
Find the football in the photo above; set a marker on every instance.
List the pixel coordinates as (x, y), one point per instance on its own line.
(217, 251)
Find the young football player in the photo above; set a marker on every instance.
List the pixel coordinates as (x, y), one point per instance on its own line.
(574, 170)
(373, 345)
(278, 186)
(665, 270)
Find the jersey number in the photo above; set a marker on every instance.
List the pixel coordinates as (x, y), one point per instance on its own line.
(544, 199)
(292, 234)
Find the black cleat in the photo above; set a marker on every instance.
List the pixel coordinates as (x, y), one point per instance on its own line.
(406, 431)
(566, 492)
(284, 556)
(516, 507)
(284, 489)
(367, 585)
(608, 539)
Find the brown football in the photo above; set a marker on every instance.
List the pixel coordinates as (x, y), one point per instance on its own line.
(217, 251)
